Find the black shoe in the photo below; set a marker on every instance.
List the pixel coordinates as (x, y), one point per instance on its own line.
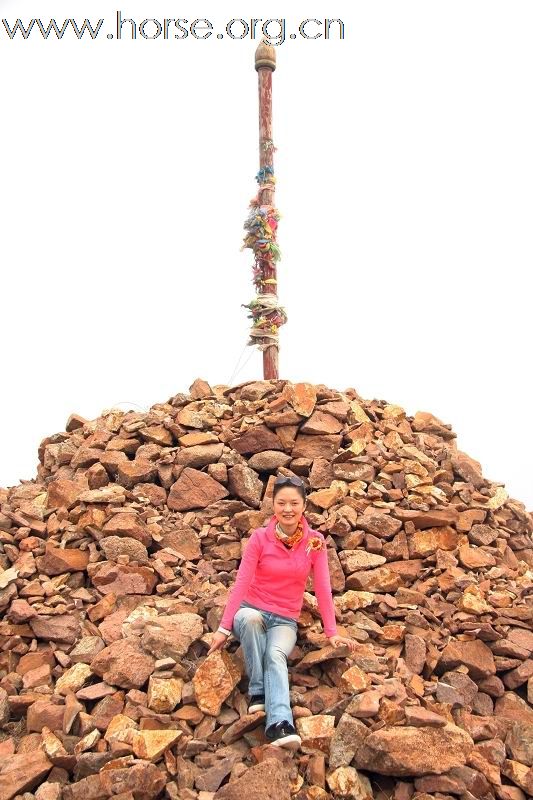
(283, 734)
(257, 703)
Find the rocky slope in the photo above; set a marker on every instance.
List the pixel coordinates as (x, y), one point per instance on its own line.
(115, 564)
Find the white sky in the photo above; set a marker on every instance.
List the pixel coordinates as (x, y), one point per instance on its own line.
(405, 175)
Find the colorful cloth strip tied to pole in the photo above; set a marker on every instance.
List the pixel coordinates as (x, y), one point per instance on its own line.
(267, 317)
(261, 226)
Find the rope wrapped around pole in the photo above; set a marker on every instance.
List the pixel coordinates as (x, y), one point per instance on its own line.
(261, 226)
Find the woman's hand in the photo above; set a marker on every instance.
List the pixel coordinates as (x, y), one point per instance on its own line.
(337, 641)
(217, 642)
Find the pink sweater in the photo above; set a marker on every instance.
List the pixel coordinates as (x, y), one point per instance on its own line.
(273, 578)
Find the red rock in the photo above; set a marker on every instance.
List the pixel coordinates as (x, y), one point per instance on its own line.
(347, 782)
(194, 489)
(415, 653)
(85, 457)
(185, 541)
(426, 542)
(75, 422)
(144, 781)
(482, 534)
(404, 751)
(107, 494)
(475, 558)
(353, 471)
(156, 495)
(97, 476)
(313, 446)
(421, 717)
(522, 638)
(116, 546)
(124, 663)
(507, 792)
(245, 484)
(200, 389)
(105, 709)
(519, 742)
(321, 423)
(102, 608)
(172, 636)
(33, 660)
(473, 654)
(520, 774)
(121, 579)
(62, 493)
(58, 560)
(321, 474)
(210, 779)
(268, 461)
(492, 686)
(157, 434)
(382, 525)
(468, 518)
(406, 570)
(200, 455)
(43, 713)
(95, 692)
(128, 525)
(456, 689)
(301, 396)
(428, 423)
(242, 726)
(516, 677)
(348, 736)
(196, 438)
(262, 782)
(7, 748)
(353, 560)
(20, 612)
(256, 440)
(428, 519)
(214, 680)
(316, 732)
(458, 780)
(111, 458)
(20, 773)
(480, 727)
(40, 676)
(513, 708)
(130, 473)
(468, 469)
(364, 705)
(61, 628)
(381, 579)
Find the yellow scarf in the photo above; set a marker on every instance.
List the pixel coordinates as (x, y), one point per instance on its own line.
(290, 541)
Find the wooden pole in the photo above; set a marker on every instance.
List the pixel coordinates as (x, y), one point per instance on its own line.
(265, 64)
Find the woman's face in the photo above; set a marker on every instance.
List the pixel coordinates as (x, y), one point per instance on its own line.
(288, 505)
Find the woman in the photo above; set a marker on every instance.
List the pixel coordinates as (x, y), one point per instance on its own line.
(264, 605)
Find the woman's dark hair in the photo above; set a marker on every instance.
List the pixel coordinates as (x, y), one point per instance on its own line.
(289, 480)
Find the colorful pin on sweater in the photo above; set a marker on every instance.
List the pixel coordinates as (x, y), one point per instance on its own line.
(315, 543)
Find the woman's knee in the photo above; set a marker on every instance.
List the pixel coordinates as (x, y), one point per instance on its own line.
(247, 618)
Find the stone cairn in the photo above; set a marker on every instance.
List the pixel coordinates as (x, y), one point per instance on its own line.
(115, 566)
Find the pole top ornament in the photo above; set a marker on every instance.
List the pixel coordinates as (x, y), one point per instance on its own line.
(265, 56)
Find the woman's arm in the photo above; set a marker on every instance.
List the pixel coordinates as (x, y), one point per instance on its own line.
(243, 580)
(322, 585)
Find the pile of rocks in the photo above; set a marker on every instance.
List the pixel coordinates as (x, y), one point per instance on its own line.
(115, 566)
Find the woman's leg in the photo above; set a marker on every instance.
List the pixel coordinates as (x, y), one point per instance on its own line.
(281, 639)
(249, 628)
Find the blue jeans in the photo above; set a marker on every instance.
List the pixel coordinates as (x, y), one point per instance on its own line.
(267, 640)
